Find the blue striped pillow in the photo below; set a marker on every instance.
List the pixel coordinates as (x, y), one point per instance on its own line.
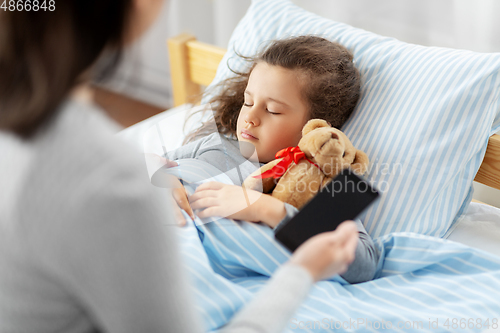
(424, 116)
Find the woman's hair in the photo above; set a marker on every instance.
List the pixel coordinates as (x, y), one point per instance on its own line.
(331, 87)
(44, 53)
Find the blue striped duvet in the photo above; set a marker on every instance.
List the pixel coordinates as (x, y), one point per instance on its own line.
(422, 283)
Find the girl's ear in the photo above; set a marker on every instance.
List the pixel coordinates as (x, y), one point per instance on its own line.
(313, 124)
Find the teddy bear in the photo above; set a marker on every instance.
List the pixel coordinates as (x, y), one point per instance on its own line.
(298, 173)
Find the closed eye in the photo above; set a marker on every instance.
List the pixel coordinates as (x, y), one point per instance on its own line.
(247, 105)
(271, 112)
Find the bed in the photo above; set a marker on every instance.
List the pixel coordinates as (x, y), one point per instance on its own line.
(440, 265)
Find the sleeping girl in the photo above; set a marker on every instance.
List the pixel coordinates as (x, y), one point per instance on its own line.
(291, 81)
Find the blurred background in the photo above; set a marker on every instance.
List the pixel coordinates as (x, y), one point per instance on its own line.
(141, 86)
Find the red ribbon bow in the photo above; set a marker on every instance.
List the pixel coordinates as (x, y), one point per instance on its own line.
(290, 154)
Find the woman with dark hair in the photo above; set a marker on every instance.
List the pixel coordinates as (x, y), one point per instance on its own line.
(84, 246)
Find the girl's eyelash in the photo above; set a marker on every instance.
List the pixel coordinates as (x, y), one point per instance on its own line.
(269, 111)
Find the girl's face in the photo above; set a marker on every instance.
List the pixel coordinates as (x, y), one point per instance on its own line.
(273, 113)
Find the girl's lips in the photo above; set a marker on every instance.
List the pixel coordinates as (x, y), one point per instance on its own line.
(247, 135)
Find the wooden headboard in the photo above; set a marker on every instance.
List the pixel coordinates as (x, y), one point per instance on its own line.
(193, 64)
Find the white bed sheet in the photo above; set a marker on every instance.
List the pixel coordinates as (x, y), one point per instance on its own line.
(479, 227)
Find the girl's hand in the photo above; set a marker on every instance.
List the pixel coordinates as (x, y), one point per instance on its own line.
(328, 253)
(180, 196)
(236, 202)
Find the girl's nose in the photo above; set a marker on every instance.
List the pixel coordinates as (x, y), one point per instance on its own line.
(251, 117)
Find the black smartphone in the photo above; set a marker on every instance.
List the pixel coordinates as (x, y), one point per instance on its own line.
(344, 198)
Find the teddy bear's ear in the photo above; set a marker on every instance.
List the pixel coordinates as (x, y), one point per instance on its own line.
(313, 124)
(360, 163)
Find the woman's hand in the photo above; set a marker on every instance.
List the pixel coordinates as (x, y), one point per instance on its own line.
(236, 202)
(328, 253)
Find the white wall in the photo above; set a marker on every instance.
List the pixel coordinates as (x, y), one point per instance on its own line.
(144, 72)
(467, 24)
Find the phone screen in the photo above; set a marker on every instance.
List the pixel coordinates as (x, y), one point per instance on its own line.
(344, 198)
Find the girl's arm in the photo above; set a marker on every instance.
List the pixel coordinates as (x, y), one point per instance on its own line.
(236, 202)
(191, 150)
